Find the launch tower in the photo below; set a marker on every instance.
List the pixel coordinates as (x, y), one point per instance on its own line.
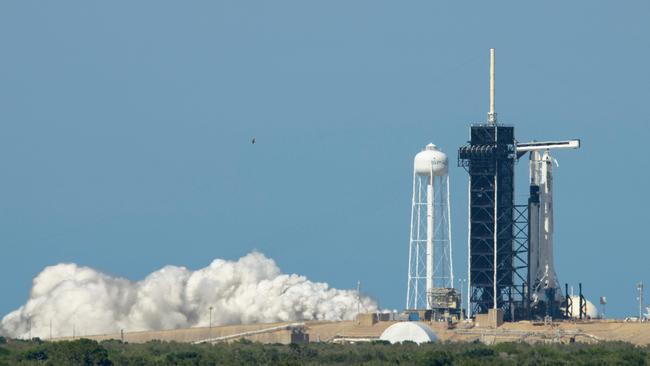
(510, 247)
(489, 158)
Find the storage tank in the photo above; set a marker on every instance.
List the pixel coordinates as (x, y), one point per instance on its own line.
(431, 161)
(574, 309)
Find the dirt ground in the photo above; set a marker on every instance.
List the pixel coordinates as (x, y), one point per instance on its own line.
(587, 331)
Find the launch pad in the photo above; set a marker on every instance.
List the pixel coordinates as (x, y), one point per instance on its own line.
(510, 246)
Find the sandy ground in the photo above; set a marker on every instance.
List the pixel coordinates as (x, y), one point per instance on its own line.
(588, 331)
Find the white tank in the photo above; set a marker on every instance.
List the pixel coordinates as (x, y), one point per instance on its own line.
(592, 311)
(431, 161)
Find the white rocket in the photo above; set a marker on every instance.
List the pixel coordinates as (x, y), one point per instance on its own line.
(543, 282)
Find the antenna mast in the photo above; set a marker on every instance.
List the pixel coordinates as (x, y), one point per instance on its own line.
(492, 114)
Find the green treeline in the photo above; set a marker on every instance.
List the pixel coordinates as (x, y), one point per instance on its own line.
(87, 352)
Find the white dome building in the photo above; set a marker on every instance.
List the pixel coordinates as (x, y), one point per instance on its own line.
(409, 331)
(592, 311)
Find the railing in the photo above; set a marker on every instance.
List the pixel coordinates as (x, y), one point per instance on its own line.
(291, 326)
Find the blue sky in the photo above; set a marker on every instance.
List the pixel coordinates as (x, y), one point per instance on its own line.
(126, 126)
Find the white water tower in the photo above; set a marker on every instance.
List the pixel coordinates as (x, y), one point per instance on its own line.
(430, 258)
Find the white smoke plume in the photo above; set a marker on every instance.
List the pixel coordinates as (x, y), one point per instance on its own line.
(249, 290)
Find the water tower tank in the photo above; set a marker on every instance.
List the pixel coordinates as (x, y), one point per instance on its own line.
(431, 161)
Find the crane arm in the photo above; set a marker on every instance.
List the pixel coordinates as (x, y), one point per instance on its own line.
(523, 147)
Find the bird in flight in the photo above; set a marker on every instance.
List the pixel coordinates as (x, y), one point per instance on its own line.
(253, 141)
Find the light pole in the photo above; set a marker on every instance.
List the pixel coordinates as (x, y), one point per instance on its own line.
(639, 287)
(210, 326)
(358, 297)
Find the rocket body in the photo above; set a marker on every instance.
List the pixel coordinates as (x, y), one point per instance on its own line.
(544, 283)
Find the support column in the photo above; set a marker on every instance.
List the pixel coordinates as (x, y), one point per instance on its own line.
(430, 230)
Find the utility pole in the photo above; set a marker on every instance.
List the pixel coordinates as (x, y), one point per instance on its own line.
(50, 329)
(358, 299)
(29, 326)
(639, 287)
(460, 286)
